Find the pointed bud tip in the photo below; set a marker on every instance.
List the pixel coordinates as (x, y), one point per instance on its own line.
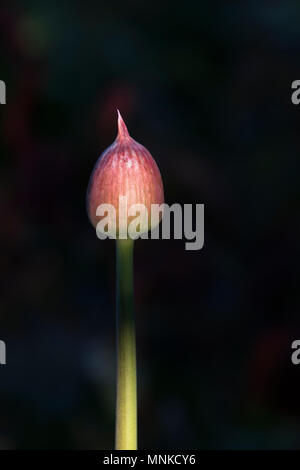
(122, 129)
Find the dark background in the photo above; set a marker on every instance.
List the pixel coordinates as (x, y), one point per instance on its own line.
(206, 87)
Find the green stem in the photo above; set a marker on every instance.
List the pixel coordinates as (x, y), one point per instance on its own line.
(126, 407)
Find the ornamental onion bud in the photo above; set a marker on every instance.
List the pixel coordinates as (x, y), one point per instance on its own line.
(125, 175)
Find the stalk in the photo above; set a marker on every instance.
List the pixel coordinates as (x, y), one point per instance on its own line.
(126, 404)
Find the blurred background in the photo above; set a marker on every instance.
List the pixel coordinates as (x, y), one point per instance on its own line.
(206, 87)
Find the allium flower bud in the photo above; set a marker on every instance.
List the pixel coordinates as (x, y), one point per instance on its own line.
(127, 178)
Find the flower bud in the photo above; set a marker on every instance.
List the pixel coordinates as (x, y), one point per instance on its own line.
(127, 179)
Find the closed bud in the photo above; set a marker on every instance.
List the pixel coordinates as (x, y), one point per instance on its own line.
(124, 185)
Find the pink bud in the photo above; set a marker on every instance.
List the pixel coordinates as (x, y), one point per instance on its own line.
(127, 169)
